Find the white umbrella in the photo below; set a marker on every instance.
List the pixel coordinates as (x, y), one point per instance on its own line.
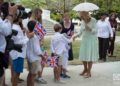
(86, 6)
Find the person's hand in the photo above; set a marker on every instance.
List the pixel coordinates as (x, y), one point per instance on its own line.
(87, 27)
(43, 58)
(73, 38)
(30, 35)
(111, 38)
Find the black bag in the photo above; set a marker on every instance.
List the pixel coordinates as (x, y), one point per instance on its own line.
(12, 46)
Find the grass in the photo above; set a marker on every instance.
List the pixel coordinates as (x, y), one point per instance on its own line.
(76, 47)
(116, 53)
(118, 33)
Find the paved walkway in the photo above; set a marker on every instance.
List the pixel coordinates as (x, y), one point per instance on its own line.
(102, 75)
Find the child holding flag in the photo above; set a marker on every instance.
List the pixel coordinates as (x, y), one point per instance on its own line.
(58, 47)
(34, 53)
(40, 33)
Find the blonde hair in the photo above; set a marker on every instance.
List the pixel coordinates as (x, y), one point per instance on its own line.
(85, 16)
(34, 13)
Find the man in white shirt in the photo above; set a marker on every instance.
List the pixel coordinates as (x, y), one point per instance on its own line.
(104, 32)
(5, 30)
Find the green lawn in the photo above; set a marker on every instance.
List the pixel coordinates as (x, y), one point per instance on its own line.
(76, 47)
(118, 33)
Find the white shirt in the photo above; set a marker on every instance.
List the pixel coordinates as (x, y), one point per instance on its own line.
(33, 49)
(104, 29)
(20, 38)
(5, 30)
(25, 22)
(59, 43)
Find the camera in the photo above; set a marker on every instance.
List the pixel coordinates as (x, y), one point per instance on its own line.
(10, 43)
(21, 13)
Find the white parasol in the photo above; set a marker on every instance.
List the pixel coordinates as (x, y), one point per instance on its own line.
(86, 6)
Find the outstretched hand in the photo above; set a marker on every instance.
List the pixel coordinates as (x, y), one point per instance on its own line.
(87, 27)
(74, 37)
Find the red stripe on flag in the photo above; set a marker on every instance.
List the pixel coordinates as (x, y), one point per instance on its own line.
(39, 29)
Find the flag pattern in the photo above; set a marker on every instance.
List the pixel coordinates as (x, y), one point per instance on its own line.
(46, 57)
(39, 31)
(53, 61)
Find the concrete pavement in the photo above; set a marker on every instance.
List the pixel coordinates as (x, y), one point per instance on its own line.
(103, 74)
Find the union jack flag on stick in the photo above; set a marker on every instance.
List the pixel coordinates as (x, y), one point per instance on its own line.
(46, 57)
(39, 31)
(53, 61)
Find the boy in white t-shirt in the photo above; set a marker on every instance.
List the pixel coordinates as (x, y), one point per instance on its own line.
(59, 47)
(34, 54)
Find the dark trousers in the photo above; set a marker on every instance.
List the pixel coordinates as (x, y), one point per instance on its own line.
(103, 47)
(1, 64)
(111, 45)
(70, 53)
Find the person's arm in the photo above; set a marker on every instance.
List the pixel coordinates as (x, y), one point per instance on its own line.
(52, 47)
(5, 27)
(72, 30)
(67, 39)
(115, 26)
(30, 34)
(82, 28)
(94, 29)
(36, 47)
(21, 38)
(110, 29)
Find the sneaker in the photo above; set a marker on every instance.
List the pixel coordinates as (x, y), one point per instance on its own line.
(65, 76)
(20, 80)
(60, 81)
(61, 75)
(41, 80)
(104, 60)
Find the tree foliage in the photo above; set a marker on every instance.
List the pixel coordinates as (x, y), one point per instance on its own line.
(34, 3)
(58, 7)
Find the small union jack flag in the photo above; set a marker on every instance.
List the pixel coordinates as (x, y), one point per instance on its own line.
(53, 61)
(39, 31)
(46, 57)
